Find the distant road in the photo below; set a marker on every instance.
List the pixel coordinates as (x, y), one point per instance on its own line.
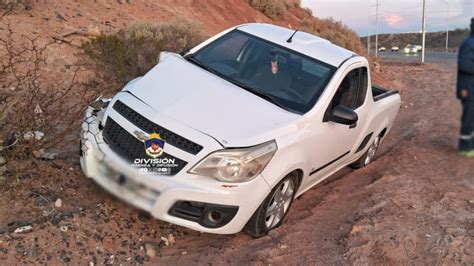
(430, 57)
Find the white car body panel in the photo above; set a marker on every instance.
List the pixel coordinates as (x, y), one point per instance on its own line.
(196, 108)
(216, 114)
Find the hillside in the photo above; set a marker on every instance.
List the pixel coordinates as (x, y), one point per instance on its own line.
(70, 22)
(434, 40)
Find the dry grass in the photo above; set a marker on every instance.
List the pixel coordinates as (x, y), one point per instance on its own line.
(273, 8)
(336, 32)
(129, 53)
(10, 4)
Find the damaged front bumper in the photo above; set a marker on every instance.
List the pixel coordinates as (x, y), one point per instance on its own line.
(200, 203)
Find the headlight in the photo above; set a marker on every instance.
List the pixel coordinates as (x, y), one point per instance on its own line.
(236, 165)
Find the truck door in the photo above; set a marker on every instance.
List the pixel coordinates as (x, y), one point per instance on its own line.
(334, 143)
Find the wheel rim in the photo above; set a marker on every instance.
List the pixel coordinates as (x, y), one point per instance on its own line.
(372, 151)
(279, 203)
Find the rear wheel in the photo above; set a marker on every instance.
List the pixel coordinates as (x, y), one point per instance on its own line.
(368, 156)
(273, 210)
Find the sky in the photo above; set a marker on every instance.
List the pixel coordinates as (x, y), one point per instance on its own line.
(395, 16)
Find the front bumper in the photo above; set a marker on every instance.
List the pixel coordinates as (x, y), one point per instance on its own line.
(159, 194)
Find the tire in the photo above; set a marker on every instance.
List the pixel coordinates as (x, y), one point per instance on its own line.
(368, 156)
(271, 213)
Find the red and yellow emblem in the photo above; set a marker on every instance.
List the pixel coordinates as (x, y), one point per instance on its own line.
(154, 145)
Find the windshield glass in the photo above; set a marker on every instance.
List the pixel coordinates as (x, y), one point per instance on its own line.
(284, 77)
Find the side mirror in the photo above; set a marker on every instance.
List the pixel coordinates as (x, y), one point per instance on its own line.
(343, 115)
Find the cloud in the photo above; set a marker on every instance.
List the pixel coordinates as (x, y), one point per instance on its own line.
(394, 20)
(394, 16)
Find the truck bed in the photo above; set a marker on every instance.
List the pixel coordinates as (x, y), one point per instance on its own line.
(379, 93)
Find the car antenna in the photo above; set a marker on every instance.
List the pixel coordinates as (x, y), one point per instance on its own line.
(302, 23)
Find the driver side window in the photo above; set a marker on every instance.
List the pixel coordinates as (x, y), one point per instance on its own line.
(352, 90)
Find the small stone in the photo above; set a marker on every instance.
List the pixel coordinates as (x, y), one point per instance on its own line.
(64, 228)
(165, 240)
(3, 161)
(184, 253)
(139, 259)
(38, 110)
(151, 249)
(28, 135)
(39, 135)
(56, 219)
(93, 30)
(42, 154)
(171, 239)
(58, 203)
(23, 229)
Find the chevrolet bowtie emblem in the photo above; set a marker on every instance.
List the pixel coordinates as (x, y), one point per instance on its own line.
(141, 135)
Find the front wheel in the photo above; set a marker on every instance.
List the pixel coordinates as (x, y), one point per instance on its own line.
(368, 156)
(273, 210)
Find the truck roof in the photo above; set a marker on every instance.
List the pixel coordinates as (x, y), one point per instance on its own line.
(303, 42)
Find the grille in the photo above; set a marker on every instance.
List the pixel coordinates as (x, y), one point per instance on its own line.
(149, 127)
(130, 148)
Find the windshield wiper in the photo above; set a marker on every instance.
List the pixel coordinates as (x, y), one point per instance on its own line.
(267, 97)
(203, 66)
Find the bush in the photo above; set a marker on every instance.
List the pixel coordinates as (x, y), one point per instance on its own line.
(32, 100)
(336, 32)
(273, 8)
(10, 4)
(129, 53)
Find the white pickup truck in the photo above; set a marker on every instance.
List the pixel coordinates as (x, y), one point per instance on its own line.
(225, 136)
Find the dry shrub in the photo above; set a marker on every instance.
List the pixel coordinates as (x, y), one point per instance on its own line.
(31, 100)
(10, 4)
(336, 32)
(132, 52)
(273, 8)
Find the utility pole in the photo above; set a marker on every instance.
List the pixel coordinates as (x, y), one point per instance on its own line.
(447, 27)
(423, 33)
(447, 24)
(368, 42)
(377, 28)
(368, 30)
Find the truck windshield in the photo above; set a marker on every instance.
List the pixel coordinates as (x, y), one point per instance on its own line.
(291, 80)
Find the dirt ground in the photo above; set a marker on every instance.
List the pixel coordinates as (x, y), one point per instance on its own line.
(414, 204)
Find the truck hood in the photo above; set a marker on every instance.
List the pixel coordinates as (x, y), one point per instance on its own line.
(207, 103)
